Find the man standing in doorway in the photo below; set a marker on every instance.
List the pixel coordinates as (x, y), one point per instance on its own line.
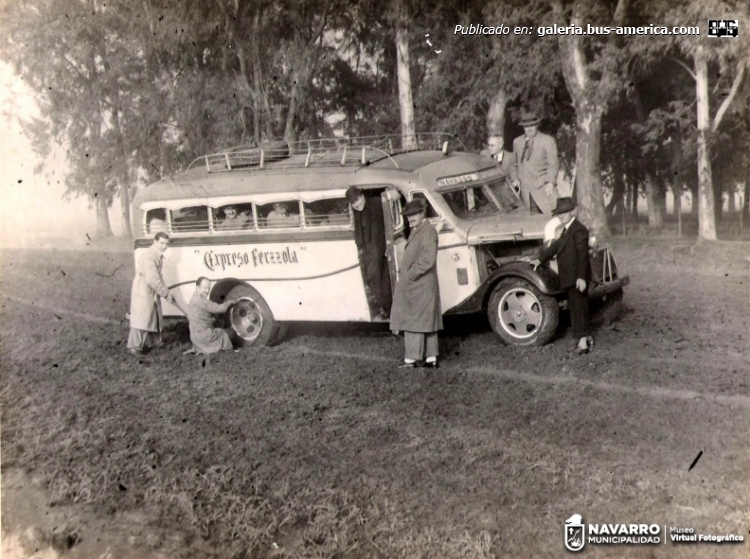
(534, 167)
(145, 303)
(369, 234)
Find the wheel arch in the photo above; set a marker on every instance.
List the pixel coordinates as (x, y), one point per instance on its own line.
(222, 288)
(544, 279)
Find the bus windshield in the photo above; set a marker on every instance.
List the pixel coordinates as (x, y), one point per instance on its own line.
(493, 198)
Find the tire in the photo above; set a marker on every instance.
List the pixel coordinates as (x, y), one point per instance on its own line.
(521, 314)
(250, 319)
(607, 309)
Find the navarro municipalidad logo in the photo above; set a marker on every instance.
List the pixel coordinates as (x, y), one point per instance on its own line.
(575, 533)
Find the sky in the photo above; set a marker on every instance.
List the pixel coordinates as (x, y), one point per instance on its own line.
(32, 209)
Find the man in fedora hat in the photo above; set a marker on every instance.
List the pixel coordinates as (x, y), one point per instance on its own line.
(416, 300)
(534, 166)
(369, 235)
(574, 270)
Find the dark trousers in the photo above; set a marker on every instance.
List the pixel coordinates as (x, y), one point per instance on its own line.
(578, 304)
(378, 278)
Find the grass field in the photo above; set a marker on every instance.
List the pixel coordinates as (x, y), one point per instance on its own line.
(320, 447)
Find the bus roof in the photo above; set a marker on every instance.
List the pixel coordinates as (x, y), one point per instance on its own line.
(279, 177)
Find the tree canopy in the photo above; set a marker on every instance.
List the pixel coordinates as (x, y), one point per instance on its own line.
(136, 90)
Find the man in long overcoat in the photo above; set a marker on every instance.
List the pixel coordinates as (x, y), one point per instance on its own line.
(145, 302)
(201, 311)
(416, 300)
(535, 165)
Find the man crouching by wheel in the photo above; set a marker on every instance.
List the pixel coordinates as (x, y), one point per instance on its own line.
(572, 251)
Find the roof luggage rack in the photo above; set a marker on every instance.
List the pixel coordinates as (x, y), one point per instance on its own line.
(323, 152)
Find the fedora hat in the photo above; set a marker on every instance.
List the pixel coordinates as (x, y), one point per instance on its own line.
(529, 118)
(414, 207)
(564, 204)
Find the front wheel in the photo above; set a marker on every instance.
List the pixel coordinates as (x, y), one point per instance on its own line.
(521, 314)
(250, 318)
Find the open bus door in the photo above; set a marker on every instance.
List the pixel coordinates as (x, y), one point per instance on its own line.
(395, 235)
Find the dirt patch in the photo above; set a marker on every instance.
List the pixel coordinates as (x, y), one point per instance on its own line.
(320, 447)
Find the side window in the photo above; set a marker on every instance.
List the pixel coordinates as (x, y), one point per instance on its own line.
(156, 220)
(431, 212)
(327, 213)
(190, 219)
(233, 217)
(279, 215)
(396, 218)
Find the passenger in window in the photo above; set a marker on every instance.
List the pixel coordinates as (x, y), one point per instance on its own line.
(416, 301)
(157, 221)
(280, 216)
(233, 219)
(369, 235)
(201, 310)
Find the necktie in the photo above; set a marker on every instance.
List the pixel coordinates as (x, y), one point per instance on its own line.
(526, 150)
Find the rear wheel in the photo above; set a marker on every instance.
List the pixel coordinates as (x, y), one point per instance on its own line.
(521, 314)
(250, 318)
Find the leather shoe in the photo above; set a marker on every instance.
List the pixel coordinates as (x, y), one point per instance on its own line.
(412, 365)
(430, 365)
(136, 352)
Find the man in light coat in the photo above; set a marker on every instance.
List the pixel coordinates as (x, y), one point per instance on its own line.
(535, 165)
(201, 311)
(416, 299)
(145, 302)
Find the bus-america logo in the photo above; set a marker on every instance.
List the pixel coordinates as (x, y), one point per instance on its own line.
(575, 533)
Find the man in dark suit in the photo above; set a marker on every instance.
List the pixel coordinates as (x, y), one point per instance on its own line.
(369, 235)
(572, 251)
(535, 165)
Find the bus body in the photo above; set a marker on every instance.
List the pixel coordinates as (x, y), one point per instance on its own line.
(290, 254)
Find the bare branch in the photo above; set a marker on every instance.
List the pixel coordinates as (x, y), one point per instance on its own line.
(741, 66)
(687, 68)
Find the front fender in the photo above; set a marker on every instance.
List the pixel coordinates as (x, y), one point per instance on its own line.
(543, 278)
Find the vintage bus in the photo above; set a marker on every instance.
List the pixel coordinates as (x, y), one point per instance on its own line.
(273, 229)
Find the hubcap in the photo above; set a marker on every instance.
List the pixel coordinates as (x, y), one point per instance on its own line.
(520, 313)
(246, 319)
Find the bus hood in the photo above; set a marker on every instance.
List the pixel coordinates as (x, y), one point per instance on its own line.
(515, 226)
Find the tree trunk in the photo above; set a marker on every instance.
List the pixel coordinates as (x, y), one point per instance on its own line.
(653, 203)
(405, 101)
(706, 215)
(496, 114)
(616, 204)
(103, 228)
(291, 129)
(634, 202)
(589, 193)
(122, 171)
(732, 206)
